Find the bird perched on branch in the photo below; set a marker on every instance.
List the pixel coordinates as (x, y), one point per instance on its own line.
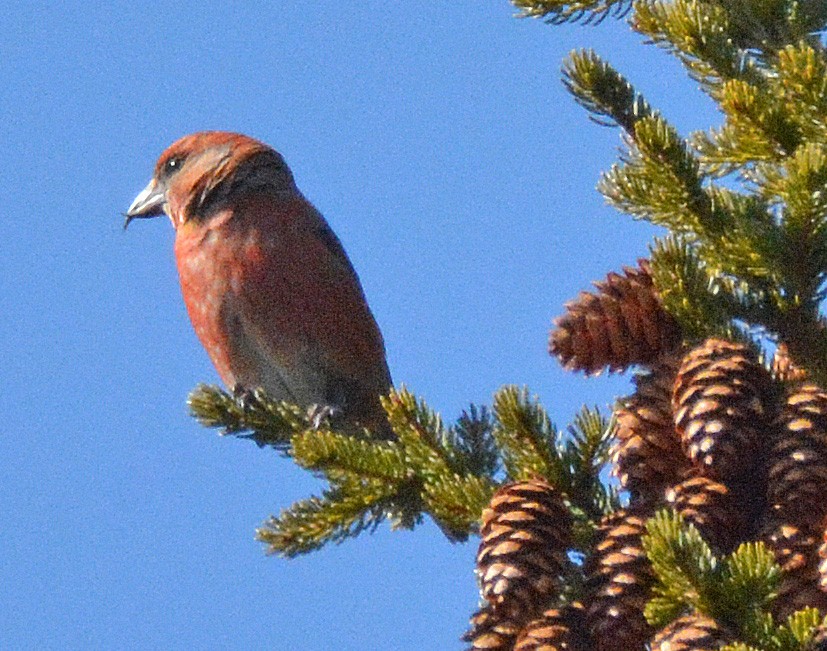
(268, 287)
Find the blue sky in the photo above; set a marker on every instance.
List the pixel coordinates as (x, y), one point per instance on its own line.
(440, 144)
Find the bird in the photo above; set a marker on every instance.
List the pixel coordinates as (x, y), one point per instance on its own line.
(269, 289)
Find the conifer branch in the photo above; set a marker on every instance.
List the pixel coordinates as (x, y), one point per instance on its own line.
(768, 121)
(421, 433)
(736, 591)
(660, 181)
(333, 452)
(731, 149)
(683, 564)
(798, 632)
(557, 12)
(340, 513)
(451, 495)
(800, 187)
(255, 417)
(749, 246)
(700, 35)
(457, 502)
(768, 26)
(476, 450)
(585, 455)
(748, 581)
(689, 290)
(604, 92)
(802, 83)
(759, 115)
(526, 437)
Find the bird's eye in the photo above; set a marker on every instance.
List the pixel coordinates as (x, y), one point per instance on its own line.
(173, 165)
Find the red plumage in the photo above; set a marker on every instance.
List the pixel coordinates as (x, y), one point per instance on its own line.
(268, 287)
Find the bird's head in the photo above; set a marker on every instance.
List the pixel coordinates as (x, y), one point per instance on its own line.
(202, 172)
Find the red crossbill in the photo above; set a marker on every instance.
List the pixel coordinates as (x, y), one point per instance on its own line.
(268, 287)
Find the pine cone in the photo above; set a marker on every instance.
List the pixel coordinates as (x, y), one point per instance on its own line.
(526, 532)
(647, 452)
(797, 464)
(715, 512)
(720, 403)
(558, 629)
(690, 633)
(490, 631)
(796, 551)
(622, 324)
(619, 577)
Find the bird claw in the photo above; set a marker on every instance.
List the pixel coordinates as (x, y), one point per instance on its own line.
(246, 398)
(320, 415)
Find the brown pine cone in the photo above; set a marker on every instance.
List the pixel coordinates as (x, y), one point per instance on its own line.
(721, 404)
(624, 323)
(717, 514)
(797, 461)
(690, 633)
(619, 578)
(647, 452)
(796, 551)
(526, 532)
(490, 631)
(558, 629)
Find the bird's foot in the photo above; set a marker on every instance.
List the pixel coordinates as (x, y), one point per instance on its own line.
(246, 398)
(320, 415)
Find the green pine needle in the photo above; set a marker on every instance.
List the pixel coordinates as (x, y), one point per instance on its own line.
(526, 437)
(456, 503)
(557, 12)
(324, 450)
(473, 442)
(408, 415)
(603, 91)
(799, 629)
(452, 495)
(684, 566)
(688, 289)
(731, 148)
(802, 84)
(255, 417)
(585, 455)
(340, 513)
(700, 34)
(660, 181)
(661, 610)
(421, 433)
(748, 580)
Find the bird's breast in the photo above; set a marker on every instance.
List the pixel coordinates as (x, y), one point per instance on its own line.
(210, 272)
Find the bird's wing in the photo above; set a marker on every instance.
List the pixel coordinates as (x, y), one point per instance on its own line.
(304, 306)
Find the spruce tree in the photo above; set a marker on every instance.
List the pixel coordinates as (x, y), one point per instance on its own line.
(691, 515)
